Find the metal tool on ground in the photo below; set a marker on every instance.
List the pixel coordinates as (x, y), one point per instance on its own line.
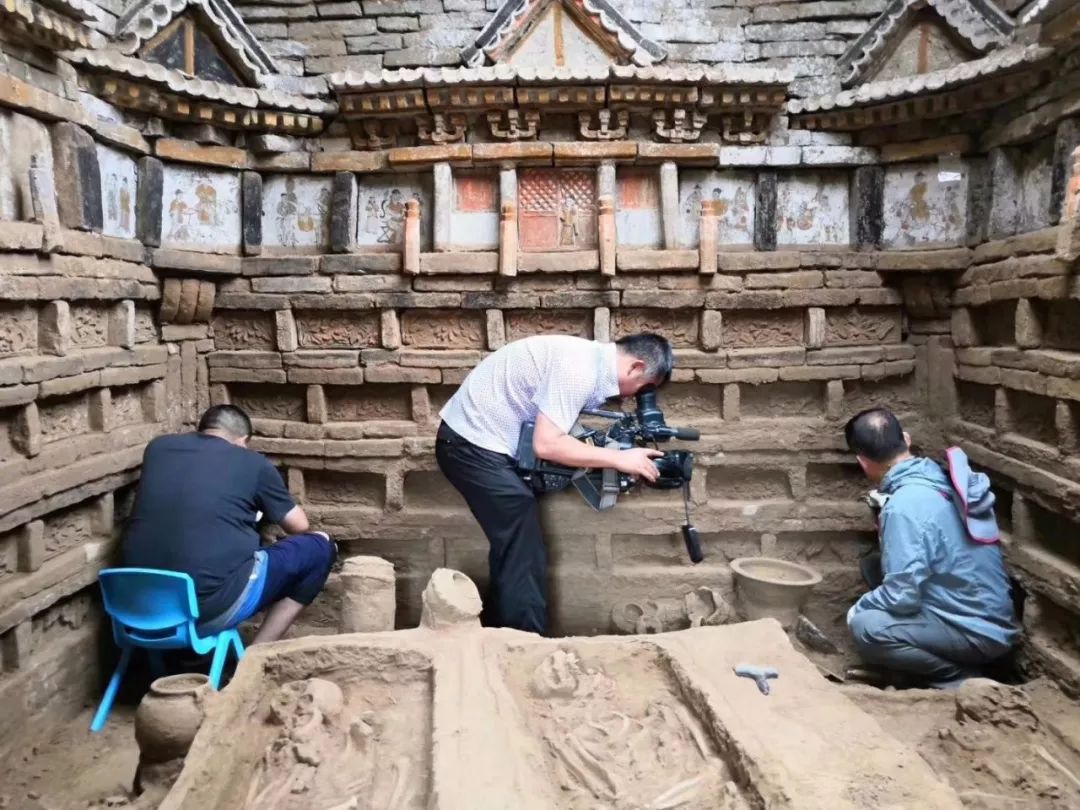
(759, 674)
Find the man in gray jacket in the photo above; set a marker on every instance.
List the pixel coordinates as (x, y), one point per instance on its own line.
(943, 609)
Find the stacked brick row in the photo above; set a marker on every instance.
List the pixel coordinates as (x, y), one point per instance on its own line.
(1018, 415)
(345, 368)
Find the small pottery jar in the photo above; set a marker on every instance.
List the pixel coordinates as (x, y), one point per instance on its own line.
(169, 716)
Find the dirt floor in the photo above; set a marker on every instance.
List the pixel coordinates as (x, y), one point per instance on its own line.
(999, 747)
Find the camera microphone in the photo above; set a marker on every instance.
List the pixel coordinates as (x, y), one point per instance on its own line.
(687, 434)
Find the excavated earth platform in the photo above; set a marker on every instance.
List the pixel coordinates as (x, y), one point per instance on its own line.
(457, 717)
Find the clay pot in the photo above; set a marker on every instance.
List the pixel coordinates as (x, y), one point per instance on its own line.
(169, 716)
(770, 588)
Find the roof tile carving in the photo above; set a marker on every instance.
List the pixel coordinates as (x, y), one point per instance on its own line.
(513, 16)
(146, 18)
(1001, 61)
(153, 74)
(441, 77)
(980, 23)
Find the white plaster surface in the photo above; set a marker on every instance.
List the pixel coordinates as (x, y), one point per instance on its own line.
(200, 210)
(296, 211)
(537, 48)
(637, 210)
(119, 180)
(812, 209)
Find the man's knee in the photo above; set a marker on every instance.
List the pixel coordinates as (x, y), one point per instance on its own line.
(868, 627)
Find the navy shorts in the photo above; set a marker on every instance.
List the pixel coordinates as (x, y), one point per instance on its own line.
(295, 567)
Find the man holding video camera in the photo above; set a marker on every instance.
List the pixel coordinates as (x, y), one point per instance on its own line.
(549, 379)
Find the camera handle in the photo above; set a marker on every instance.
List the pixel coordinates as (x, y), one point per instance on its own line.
(689, 533)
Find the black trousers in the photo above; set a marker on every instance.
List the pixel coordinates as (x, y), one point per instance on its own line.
(507, 511)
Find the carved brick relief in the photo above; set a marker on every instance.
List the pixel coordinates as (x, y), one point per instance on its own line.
(782, 399)
(429, 489)
(900, 392)
(375, 402)
(835, 482)
(24, 142)
(8, 451)
(296, 212)
(9, 554)
(18, 329)
(849, 326)
(680, 326)
(975, 403)
(127, 406)
(244, 330)
(64, 616)
(443, 329)
(557, 209)
(67, 529)
(381, 215)
(525, 323)
(637, 210)
(64, 417)
(119, 179)
(352, 489)
(738, 483)
(812, 209)
(687, 401)
(474, 220)
(828, 549)
(734, 197)
(270, 401)
(747, 329)
(200, 210)
(337, 330)
(146, 330)
(89, 326)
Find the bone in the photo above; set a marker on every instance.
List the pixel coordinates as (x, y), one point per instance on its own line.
(678, 794)
(1057, 765)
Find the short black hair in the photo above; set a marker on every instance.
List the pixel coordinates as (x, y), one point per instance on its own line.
(653, 350)
(875, 434)
(228, 419)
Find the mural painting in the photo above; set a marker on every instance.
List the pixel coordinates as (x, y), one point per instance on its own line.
(201, 210)
(924, 206)
(637, 212)
(474, 221)
(812, 209)
(381, 218)
(118, 181)
(296, 212)
(558, 210)
(733, 193)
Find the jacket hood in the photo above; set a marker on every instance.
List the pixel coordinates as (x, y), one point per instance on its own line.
(969, 491)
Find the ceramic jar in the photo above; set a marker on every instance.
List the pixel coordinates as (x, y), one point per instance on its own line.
(169, 716)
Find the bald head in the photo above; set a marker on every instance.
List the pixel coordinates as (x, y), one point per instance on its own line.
(876, 435)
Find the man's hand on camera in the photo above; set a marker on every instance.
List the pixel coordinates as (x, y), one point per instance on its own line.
(638, 462)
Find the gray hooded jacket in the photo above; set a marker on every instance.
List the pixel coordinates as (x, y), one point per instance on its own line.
(928, 557)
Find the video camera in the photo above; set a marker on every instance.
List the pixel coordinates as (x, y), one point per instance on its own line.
(601, 488)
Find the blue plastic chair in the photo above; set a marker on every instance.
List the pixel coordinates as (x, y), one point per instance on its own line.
(156, 610)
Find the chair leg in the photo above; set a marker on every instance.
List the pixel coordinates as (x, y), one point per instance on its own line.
(221, 653)
(102, 715)
(237, 644)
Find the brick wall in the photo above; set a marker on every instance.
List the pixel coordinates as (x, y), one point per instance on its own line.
(805, 37)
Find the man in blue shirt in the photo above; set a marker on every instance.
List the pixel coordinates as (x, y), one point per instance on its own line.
(943, 609)
(196, 510)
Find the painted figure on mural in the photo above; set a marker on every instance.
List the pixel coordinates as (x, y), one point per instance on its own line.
(112, 202)
(179, 211)
(393, 218)
(920, 207)
(206, 207)
(568, 223)
(125, 205)
(288, 208)
(323, 207)
(693, 201)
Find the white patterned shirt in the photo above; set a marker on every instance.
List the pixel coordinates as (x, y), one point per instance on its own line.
(557, 375)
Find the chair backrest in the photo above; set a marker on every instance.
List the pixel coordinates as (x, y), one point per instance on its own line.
(147, 599)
